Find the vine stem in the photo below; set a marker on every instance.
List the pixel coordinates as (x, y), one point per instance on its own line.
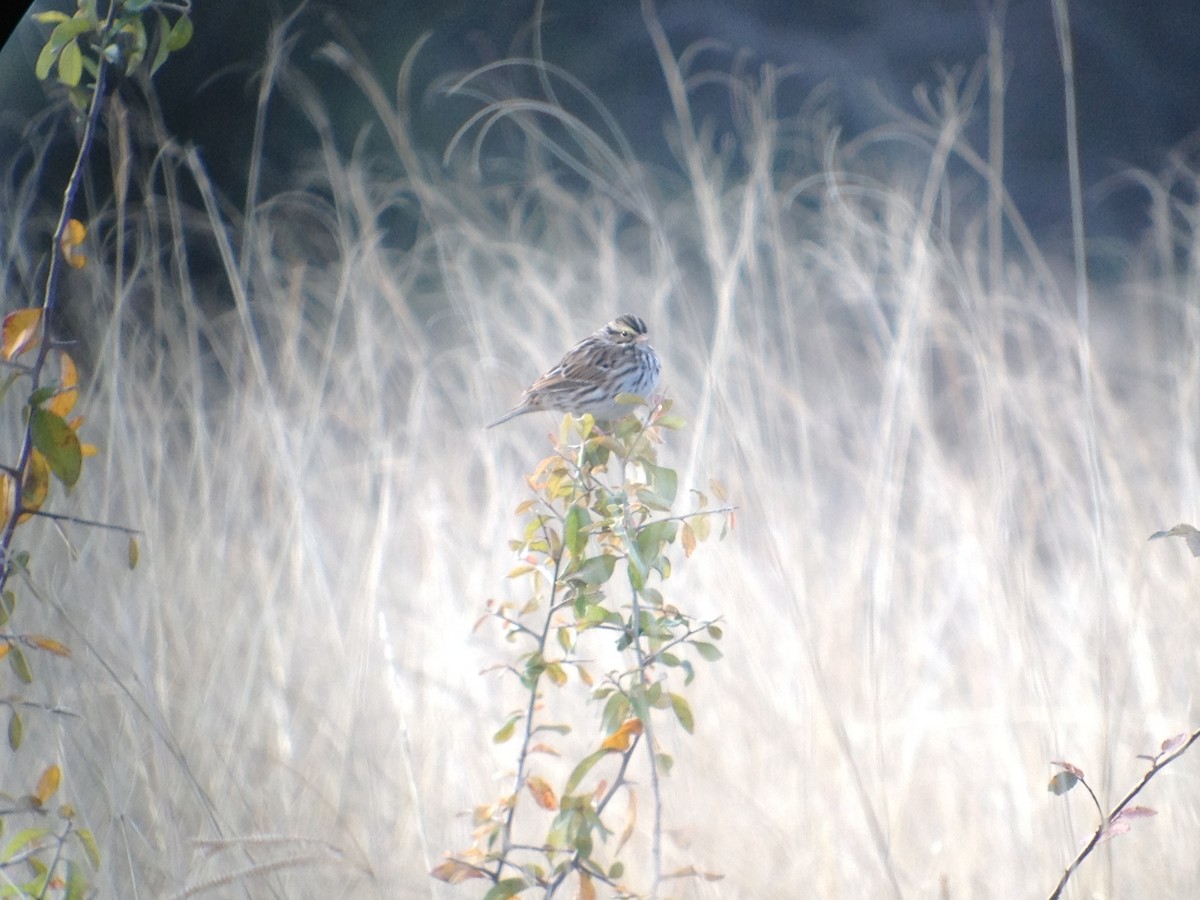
(49, 307)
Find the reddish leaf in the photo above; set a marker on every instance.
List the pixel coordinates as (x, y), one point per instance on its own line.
(1171, 744)
(1074, 770)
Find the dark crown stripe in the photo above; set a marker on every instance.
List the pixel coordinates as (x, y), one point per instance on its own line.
(632, 322)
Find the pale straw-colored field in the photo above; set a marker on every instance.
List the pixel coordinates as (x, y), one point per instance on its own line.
(938, 583)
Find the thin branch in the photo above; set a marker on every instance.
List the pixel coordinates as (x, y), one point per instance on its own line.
(50, 305)
(1157, 765)
(78, 520)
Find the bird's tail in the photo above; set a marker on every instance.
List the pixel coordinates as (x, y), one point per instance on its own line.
(512, 413)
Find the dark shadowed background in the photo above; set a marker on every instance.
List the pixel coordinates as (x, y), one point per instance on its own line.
(1136, 64)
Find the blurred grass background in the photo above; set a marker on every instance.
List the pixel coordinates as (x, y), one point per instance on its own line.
(934, 588)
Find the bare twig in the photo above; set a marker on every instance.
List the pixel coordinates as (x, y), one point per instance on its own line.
(1157, 764)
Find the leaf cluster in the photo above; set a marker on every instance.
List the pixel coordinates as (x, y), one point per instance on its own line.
(598, 541)
(121, 38)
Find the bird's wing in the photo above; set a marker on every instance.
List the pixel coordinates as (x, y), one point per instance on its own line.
(577, 369)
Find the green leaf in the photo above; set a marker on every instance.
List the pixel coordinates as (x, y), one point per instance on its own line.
(616, 711)
(616, 870)
(45, 61)
(163, 51)
(22, 841)
(90, 847)
(57, 441)
(683, 712)
(76, 883)
(137, 52)
(80, 99)
(42, 394)
(16, 731)
(1062, 782)
(67, 30)
(70, 64)
(20, 665)
(707, 651)
(651, 539)
(505, 888)
(181, 34)
(663, 481)
(582, 769)
(637, 569)
(575, 536)
(596, 570)
(637, 700)
(654, 500)
(506, 730)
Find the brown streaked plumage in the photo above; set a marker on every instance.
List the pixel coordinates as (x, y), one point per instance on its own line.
(614, 360)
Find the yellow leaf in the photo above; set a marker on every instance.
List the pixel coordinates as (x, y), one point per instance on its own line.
(7, 483)
(556, 673)
(68, 389)
(47, 785)
(20, 332)
(542, 793)
(4, 648)
(36, 486)
(73, 236)
(619, 739)
(133, 552)
(58, 648)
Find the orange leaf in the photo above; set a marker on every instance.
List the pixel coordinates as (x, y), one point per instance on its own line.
(587, 890)
(4, 648)
(619, 739)
(19, 332)
(689, 540)
(543, 794)
(47, 785)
